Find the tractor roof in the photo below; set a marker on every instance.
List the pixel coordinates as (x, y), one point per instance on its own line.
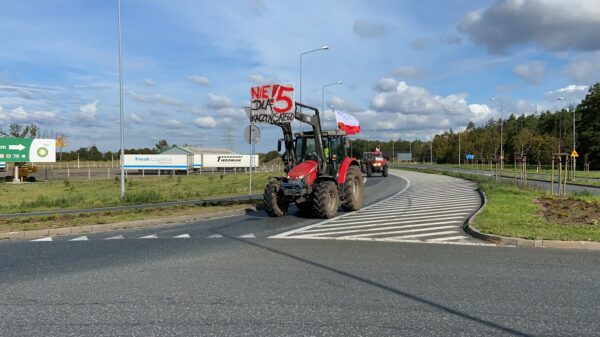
(328, 133)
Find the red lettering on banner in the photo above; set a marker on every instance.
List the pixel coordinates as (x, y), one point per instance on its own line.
(255, 92)
(281, 97)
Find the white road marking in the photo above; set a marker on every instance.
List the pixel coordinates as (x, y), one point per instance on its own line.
(422, 235)
(48, 238)
(118, 237)
(387, 225)
(153, 236)
(182, 236)
(215, 236)
(427, 229)
(450, 238)
(399, 219)
(81, 238)
(247, 236)
(427, 210)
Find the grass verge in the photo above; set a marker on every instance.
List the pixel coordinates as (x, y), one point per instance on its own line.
(83, 219)
(533, 214)
(74, 194)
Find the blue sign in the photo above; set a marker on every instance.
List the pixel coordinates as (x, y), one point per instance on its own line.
(470, 157)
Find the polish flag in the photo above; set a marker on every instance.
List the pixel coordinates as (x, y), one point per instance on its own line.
(347, 123)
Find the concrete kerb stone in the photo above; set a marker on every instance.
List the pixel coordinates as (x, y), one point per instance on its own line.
(123, 225)
(503, 240)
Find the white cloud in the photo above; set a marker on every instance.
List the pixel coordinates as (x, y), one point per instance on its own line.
(154, 99)
(86, 115)
(205, 122)
(173, 124)
(342, 104)
(386, 85)
(149, 82)
(257, 79)
(532, 72)
(407, 72)
(200, 80)
(414, 100)
(551, 24)
(135, 118)
(368, 30)
(569, 89)
(584, 68)
(218, 102)
(233, 113)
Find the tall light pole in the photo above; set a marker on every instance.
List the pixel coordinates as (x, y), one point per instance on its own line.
(122, 122)
(501, 138)
(572, 108)
(301, 55)
(325, 47)
(323, 95)
(458, 130)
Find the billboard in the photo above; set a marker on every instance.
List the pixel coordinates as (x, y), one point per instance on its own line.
(27, 150)
(272, 104)
(158, 162)
(228, 160)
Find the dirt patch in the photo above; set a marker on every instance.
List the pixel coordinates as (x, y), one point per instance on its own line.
(568, 211)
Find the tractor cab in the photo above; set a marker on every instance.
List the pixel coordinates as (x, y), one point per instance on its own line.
(334, 143)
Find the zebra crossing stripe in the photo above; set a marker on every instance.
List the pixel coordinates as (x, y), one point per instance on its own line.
(422, 235)
(397, 219)
(371, 230)
(449, 238)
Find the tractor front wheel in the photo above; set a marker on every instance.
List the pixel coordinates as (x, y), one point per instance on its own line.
(384, 173)
(275, 205)
(325, 199)
(353, 190)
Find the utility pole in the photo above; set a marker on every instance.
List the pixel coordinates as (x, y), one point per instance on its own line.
(122, 122)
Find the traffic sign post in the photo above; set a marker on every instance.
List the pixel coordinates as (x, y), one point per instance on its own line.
(252, 136)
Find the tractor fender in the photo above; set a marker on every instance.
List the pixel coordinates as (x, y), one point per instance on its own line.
(346, 163)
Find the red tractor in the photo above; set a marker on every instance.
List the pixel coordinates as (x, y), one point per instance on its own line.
(374, 162)
(320, 175)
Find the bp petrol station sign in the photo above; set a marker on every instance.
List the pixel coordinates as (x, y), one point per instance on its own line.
(27, 150)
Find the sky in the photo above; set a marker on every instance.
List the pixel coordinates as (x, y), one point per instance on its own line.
(410, 69)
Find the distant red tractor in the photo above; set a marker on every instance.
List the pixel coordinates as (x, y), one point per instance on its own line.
(374, 162)
(320, 176)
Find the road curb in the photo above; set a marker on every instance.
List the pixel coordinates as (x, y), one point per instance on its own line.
(123, 225)
(519, 242)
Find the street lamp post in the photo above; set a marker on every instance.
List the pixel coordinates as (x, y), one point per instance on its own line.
(574, 144)
(323, 95)
(301, 55)
(501, 138)
(122, 123)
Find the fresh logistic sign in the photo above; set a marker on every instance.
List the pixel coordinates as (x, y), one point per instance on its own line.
(27, 150)
(272, 104)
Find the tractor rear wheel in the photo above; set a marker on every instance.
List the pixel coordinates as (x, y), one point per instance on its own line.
(384, 173)
(325, 199)
(353, 190)
(273, 200)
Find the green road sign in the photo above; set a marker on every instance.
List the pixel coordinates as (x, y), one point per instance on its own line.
(27, 150)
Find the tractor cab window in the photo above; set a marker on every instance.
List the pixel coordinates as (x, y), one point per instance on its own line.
(306, 149)
(337, 147)
(368, 156)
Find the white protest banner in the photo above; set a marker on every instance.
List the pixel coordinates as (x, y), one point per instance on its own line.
(272, 104)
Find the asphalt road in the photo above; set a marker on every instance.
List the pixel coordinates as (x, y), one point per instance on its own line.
(230, 279)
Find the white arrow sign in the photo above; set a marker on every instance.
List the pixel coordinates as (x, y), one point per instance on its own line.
(19, 147)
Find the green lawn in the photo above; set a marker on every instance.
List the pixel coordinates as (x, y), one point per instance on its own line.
(73, 194)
